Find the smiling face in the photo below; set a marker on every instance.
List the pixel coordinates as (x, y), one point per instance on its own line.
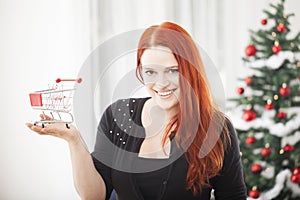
(161, 77)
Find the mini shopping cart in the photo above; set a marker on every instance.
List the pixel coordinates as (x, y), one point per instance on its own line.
(56, 102)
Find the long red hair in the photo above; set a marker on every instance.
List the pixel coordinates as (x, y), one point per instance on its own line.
(198, 123)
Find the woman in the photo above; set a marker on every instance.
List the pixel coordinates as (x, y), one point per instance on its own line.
(174, 144)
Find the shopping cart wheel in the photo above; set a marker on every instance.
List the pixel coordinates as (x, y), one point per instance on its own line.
(68, 126)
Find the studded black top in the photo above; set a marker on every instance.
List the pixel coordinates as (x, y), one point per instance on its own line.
(119, 138)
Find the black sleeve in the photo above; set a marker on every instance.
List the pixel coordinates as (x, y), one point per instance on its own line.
(102, 154)
(230, 185)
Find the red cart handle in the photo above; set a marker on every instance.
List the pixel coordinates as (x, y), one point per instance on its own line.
(78, 80)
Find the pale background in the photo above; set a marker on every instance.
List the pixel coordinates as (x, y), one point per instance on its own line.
(41, 40)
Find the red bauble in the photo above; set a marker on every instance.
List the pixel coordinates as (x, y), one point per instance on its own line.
(281, 115)
(281, 28)
(295, 178)
(240, 90)
(269, 106)
(256, 168)
(250, 140)
(288, 148)
(249, 115)
(296, 170)
(266, 151)
(276, 49)
(284, 91)
(254, 194)
(248, 80)
(264, 21)
(250, 50)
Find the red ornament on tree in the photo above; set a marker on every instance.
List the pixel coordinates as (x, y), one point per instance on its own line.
(250, 140)
(249, 115)
(240, 90)
(269, 105)
(295, 178)
(296, 170)
(254, 193)
(281, 28)
(248, 80)
(256, 168)
(276, 49)
(288, 148)
(250, 50)
(266, 151)
(281, 115)
(284, 90)
(264, 21)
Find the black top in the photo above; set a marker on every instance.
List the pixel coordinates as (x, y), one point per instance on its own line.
(119, 138)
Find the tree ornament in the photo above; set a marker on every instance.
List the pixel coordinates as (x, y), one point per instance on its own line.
(281, 115)
(285, 162)
(256, 168)
(264, 21)
(249, 115)
(296, 170)
(269, 105)
(266, 151)
(276, 49)
(281, 28)
(248, 80)
(288, 148)
(254, 193)
(292, 44)
(250, 140)
(240, 90)
(284, 90)
(295, 178)
(250, 50)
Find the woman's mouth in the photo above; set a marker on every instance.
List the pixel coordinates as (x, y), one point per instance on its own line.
(165, 93)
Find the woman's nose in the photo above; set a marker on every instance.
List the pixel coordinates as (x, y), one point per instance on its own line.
(162, 80)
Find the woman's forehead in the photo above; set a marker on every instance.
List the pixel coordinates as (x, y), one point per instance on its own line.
(159, 57)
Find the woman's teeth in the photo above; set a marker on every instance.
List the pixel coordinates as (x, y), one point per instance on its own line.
(165, 93)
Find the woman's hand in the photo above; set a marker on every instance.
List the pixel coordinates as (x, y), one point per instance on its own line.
(58, 129)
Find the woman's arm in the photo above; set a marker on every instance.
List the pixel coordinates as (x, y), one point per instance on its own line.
(88, 182)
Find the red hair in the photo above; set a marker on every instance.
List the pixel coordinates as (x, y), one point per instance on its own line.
(198, 123)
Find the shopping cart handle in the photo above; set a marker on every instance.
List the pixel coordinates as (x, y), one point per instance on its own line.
(78, 80)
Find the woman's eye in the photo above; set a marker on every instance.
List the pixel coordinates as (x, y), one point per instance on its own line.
(172, 71)
(149, 72)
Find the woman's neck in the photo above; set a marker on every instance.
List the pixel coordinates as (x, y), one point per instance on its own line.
(155, 119)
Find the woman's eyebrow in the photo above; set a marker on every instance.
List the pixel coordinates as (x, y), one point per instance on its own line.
(151, 66)
(174, 66)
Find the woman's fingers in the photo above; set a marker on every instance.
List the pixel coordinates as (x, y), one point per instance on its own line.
(45, 117)
(56, 129)
(37, 129)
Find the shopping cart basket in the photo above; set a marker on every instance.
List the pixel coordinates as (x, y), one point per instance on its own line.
(56, 102)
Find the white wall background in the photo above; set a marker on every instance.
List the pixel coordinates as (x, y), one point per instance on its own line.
(41, 40)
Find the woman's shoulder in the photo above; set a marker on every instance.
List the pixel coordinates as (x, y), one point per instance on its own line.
(124, 106)
(128, 103)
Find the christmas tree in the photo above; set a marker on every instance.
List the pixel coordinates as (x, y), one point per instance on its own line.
(267, 109)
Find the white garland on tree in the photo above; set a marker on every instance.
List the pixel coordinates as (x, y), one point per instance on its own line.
(266, 121)
(281, 178)
(274, 61)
